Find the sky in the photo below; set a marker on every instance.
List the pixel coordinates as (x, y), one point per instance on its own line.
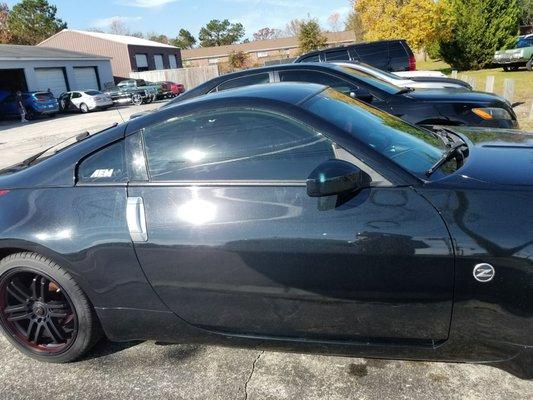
(168, 16)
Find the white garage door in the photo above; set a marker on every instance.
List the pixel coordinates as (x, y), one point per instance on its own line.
(51, 78)
(86, 78)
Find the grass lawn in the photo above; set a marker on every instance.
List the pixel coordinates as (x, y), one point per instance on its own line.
(523, 85)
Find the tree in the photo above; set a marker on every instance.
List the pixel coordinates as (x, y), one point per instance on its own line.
(238, 59)
(480, 27)
(118, 27)
(158, 38)
(292, 29)
(5, 34)
(526, 8)
(32, 21)
(185, 40)
(311, 37)
(334, 21)
(220, 33)
(354, 24)
(378, 18)
(268, 34)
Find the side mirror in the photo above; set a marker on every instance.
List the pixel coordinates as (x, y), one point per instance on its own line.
(361, 94)
(334, 177)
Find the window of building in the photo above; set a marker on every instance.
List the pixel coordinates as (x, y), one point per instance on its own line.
(172, 61)
(158, 60)
(262, 54)
(142, 62)
(214, 60)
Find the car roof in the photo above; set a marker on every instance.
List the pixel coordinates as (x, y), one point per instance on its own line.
(286, 92)
(351, 46)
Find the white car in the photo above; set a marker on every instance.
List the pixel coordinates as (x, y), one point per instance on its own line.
(420, 74)
(84, 101)
(418, 82)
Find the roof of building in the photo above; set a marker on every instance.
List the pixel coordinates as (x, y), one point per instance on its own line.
(132, 40)
(18, 52)
(262, 45)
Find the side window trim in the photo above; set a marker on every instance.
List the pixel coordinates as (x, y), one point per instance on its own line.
(226, 182)
(122, 182)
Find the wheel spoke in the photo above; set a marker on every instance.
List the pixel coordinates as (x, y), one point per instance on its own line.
(17, 308)
(43, 289)
(38, 333)
(14, 290)
(58, 314)
(33, 287)
(54, 332)
(19, 317)
(30, 328)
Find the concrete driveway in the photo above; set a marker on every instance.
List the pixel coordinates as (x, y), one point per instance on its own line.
(154, 371)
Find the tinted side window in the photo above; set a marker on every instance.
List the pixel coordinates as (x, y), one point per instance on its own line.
(313, 58)
(337, 55)
(376, 54)
(234, 145)
(396, 50)
(338, 84)
(244, 81)
(107, 165)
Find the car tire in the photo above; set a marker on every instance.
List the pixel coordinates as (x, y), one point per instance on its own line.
(529, 64)
(84, 108)
(137, 99)
(506, 68)
(53, 305)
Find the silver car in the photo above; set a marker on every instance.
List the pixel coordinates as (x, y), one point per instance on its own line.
(84, 101)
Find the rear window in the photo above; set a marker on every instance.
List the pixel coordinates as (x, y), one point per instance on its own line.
(44, 96)
(397, 50)
(93, 92)
(313, 58)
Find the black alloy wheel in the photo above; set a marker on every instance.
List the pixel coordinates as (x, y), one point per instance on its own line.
(37, 312)
(43, 311)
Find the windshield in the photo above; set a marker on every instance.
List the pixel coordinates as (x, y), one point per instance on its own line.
(126, 83)
(372, 80)
(525, 42)
(415, 149)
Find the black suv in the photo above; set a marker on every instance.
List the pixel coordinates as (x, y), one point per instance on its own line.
(388, 55)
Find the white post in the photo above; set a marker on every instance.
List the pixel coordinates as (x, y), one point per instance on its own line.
(508, 89)
(489, 85)
(531, 112)
(473, 82)
(454, 74)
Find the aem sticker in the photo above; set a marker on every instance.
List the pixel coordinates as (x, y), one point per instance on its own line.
(102, 173)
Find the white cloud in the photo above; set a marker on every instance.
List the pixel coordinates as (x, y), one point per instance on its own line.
(106, 22)
(145, 3)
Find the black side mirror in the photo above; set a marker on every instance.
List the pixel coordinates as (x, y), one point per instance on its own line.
(334, 177)
(362, 94)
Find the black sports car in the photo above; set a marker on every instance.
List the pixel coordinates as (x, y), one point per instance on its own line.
(417, 106)
(283, 216)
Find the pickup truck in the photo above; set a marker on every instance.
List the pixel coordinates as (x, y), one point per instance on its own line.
(520, 56)
(135, 91)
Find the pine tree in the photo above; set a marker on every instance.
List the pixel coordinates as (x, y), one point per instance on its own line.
(480, 27)
(311, 37)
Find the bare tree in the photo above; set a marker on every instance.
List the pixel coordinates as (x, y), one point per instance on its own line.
(334, 21)
(268, 33)
(117, 27)
(292, 29)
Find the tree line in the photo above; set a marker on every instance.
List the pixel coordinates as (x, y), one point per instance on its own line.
(464, 33)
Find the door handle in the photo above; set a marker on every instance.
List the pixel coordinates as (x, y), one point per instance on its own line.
(136, 219)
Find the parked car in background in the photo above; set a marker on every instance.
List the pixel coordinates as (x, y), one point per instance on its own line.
(418, 106)
(388, 55)
(520, 56)
(171, 89)
(35, 103)
(282, 216)
(148, 89)
(418, 82)
(84, 101)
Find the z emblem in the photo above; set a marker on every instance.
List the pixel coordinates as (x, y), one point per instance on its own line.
(484, 272)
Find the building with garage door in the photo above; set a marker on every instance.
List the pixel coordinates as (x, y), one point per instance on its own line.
(31, 68)
(127, 53)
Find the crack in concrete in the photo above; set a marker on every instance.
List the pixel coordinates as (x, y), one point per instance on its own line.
(251, 374)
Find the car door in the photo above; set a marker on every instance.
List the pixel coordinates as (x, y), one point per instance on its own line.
(229, 239)
(76, 99)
